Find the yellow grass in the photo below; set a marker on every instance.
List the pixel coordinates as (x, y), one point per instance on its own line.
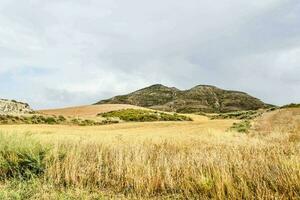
(283, 120)
(200, 127)
(169, 160)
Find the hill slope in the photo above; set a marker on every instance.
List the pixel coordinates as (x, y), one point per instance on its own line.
(87, 111)
(197, 99)
(285, 120)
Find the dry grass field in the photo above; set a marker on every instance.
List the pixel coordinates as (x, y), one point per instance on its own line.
(282, 120)
(88, 110)
(199, 159)
(129, 131)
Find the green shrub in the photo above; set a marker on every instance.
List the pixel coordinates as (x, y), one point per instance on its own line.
(242, 115)
(61, 118)
(22, 159)
(241, 127)
(50, 120)
(292, 105)
(75, 121)
(109, 121)
(87, 122)
(138, 115)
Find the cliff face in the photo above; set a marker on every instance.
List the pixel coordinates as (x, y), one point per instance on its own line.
(13, 107)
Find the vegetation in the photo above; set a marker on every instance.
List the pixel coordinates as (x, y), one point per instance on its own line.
(162, 160)
(242, 115)
(241, 127)
(138, 115)
(21, 159)
(51, 120)
(292, 105)
(204, 166)
(202, 98)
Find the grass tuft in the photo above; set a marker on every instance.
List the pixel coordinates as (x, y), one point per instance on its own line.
(21, 159)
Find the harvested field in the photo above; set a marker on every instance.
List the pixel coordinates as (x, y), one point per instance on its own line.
(87, 111)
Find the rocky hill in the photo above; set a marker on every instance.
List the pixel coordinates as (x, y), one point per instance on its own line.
(202, 98)
(13, 107)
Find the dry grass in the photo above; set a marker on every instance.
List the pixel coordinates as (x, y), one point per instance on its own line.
(200, 127)
(282, 120)
(166, 160)
(87, 111)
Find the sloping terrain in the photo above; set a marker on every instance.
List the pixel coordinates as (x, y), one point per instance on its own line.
(12, 107)
(202, 98)
(281, 120)
(87, 111)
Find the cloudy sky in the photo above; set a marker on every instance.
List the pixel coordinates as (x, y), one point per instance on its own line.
(56, 53)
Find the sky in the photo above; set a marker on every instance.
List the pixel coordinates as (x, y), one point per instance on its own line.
(56, 53)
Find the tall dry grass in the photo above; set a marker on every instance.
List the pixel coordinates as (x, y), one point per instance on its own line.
(208, 167)
(262, 164)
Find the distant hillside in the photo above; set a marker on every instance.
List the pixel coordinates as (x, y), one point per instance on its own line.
(12, 107)
(87, 111)
(202, 98)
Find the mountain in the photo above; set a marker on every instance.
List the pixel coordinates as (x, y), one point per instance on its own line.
(201, 98)
(13, 107)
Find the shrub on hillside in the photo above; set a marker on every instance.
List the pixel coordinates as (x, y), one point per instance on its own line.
(242, 115)
(292, 105)
(138, 115)
(51, 120)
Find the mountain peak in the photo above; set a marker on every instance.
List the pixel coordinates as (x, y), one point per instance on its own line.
(204, 86)
(201, 98)
(156, 86)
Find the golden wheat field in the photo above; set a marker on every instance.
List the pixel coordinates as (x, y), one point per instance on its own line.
(200, 159)
(88, 110)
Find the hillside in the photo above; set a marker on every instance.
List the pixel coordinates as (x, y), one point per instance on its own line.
(13, 107)
(201, 98)
(285, 120)
(87, 111)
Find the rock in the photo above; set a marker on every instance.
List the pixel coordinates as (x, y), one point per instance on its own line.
(12, 107)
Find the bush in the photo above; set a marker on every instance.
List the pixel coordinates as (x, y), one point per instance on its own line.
(138, 115)
(21, 159)
(61, 118)
(241, 127)
(292, 105)
(52, 120)
(242, 115)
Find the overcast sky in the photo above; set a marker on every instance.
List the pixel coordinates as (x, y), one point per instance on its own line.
(56, 53)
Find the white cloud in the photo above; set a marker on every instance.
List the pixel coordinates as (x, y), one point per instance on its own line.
(98, 48)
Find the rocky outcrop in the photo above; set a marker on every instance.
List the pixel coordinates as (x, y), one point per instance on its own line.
(12, 107)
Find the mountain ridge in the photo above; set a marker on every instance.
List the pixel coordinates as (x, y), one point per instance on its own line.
(200, 98)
